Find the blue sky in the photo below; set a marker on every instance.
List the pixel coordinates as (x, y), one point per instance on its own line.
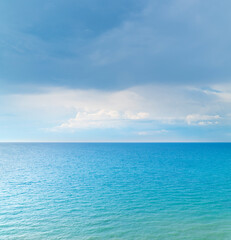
(126, 70)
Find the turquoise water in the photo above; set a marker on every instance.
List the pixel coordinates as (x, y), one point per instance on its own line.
(115, 191)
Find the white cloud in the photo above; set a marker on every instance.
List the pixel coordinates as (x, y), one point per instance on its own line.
(146, 133)
(143, 108)
(135, 116)
(197, 119)
(101, 119)
(221, 91)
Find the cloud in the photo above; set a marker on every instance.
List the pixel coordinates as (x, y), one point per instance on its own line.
(148, 112)
(221, 91)
(80, 44)
(101, 119)
(146, 108)
(202, 120)
(146, 133)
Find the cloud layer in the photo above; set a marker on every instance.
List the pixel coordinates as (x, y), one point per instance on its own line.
(148, 106)
(93, 44)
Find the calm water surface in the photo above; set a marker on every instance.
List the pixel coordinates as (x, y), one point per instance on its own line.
(115, 191)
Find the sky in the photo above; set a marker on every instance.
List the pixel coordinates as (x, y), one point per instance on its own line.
(115, 71)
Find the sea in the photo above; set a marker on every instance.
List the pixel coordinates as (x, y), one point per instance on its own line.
(115, 191)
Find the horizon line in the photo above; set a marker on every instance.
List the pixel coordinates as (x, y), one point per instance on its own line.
(115, 141)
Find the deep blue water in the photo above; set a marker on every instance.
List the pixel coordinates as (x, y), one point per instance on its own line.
(94, 191)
